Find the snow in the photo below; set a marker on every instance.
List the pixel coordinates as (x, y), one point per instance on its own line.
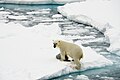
(93, 60)
(1, 9)
(38, 12)
(82, 77)
(21, 50)
(39, 1)
(4, 13)
(28, 53)
(57, 16)
(17, 17)
(107, 78)
(102, 14)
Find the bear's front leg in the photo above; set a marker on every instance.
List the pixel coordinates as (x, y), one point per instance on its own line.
(59, 57)
(62, 54)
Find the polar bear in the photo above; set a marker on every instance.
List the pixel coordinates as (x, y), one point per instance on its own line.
(69, 49)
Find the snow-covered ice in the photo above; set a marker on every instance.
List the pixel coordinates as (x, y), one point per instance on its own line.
(107, 78)
(82, 77)
(28, 53)
(102, 14)
(4, 13)
(24, 49)
(57, 16)
(38, 12)
(17, 17)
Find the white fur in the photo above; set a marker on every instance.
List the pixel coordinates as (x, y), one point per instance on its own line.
(70, 49)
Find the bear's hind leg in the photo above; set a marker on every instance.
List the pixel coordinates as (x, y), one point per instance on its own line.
(78, 65)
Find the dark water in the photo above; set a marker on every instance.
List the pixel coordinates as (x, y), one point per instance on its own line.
(89, 36)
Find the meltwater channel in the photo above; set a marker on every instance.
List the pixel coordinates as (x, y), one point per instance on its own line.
(43, 14)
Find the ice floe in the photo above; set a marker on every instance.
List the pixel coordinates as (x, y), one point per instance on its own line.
(28, 53)
(102, 14)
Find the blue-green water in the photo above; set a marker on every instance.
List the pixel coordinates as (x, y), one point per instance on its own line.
(29, 6)
(104, 73)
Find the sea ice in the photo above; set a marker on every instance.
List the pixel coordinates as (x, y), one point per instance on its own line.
(102, 14)
(28, 54)
(82, 77)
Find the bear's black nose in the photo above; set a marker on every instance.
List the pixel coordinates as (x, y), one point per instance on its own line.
(54, 45)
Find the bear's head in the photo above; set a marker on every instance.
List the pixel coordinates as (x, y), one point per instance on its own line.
(56, 43)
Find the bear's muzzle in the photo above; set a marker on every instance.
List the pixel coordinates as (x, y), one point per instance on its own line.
(54, 45)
